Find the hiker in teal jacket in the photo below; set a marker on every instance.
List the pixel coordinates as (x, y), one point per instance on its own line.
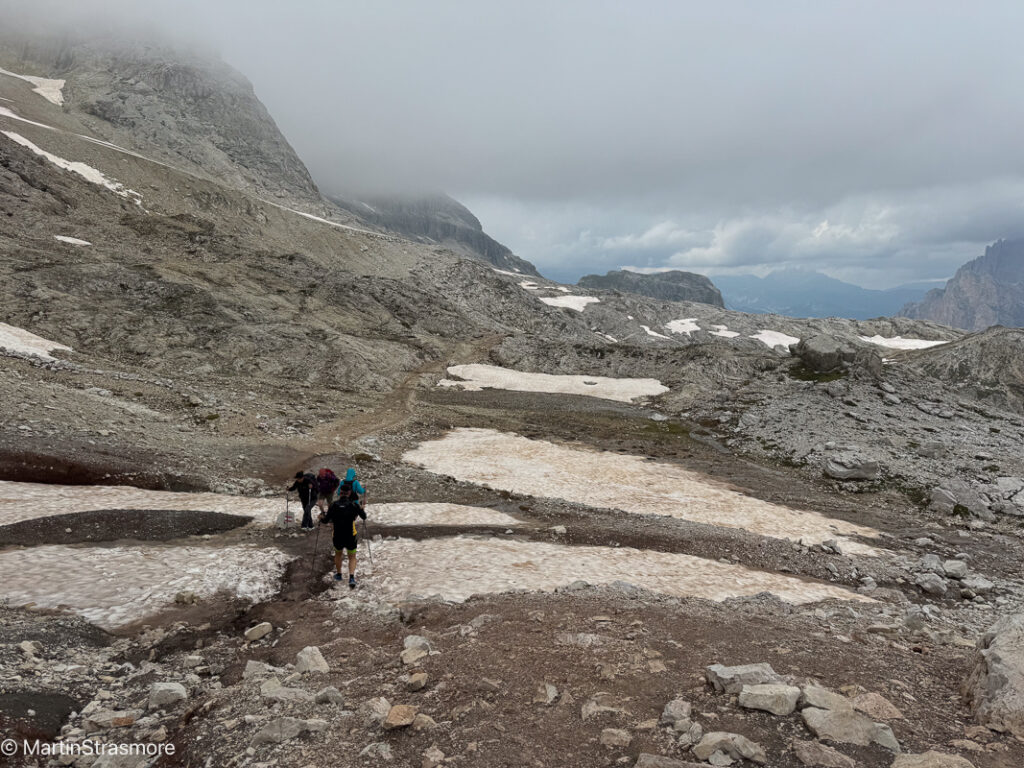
(357, 487)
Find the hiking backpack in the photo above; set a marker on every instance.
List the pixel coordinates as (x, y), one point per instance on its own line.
(327, 481)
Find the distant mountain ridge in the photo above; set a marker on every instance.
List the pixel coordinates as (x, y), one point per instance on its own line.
(674, 285)
(804, 293)
(434, 218)
(984, 292)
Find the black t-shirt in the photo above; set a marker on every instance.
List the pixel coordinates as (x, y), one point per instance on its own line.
(342, 515)
(306, 485)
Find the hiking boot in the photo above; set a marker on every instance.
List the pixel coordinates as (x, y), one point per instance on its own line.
(351, 582)
(337, 577)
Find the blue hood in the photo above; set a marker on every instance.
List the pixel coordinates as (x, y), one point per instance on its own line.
(351, 474)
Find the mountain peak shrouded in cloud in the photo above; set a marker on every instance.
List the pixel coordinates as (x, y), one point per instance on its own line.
(876, 142)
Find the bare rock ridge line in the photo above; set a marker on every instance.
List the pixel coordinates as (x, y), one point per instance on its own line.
(984, 292)
(666, 286)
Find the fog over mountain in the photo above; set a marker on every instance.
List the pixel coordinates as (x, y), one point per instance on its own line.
(876, 143)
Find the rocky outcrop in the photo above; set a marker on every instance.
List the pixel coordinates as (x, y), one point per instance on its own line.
(665, 286)
(985, 292)
(995, 688)
(987, 366)
(436, 219)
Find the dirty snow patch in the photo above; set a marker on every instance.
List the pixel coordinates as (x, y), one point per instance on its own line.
(5, 112)
(49, 89)
(775, 339)
(29, 501)
(898, 342)
(655, 334)
(474, 566)
(22, 342)
(687, 325)
(476, 377)
(114, 586)
(563, 289)
(578, 303)
(631, 483)
(419, 513)
(517, 273)
(71, 240)
(87, 172)
(723, 331)
(529, 286)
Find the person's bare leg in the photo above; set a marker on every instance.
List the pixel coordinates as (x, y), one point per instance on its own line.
(337, 561)
(351, 563)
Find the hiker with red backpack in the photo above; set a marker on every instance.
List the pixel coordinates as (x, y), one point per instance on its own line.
(327, 486)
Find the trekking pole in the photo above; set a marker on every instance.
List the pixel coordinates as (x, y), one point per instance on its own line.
(316, 546)
(366, 535)
(287, 512)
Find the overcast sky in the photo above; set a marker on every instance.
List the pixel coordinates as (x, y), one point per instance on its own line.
(876, 141)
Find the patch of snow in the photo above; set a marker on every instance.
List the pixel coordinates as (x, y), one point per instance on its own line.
(477, 376)
(71, 240)
(655, 334)
(578, 303)
(419, 513)
(723, 331)
(687, 325)
(326, 221)
(5, 112)
(506, 272)
(612, 339)
(87, 172)
(898, 342)
(25, 343)
(563, 289)
(474, 566)
(631, 483)
(114, 586)
(49, 89)
(629, 317)
(774, 339)
(528, 285)
(29, 501)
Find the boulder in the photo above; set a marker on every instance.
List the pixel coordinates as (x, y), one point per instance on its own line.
(257, 669)
(777, 699)
(851, 465)
(931, 759)
(411, 656)
(272, 689)
(977, 584)
(282, 729)
(732, 679)
(253, 634)
(824, 353)
(955, 569)
(417, 681)
(675, 710)
(432, 757)
(375, 711)
(733, 744)
(995, 687)
(647, 760)
(164, 695)
(309, 659)
(954, 495)
(823, 698)
(876, 706)
(931, 583)
(615, 738)
(599, 703)
(845, 726)
(545, 694)
(817, 755)
(330, 695)
(400, 716)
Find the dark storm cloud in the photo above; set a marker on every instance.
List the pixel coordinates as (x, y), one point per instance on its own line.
(876, 140)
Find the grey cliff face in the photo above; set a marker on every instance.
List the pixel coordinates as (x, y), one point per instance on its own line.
(666, 286)
(436, 219)
(985, 292)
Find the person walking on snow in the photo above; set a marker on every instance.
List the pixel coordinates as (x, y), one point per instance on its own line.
(358, 492)
(327, 484)
(306, 485)
(342, 515)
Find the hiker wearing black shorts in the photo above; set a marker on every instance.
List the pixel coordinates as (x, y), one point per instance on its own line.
(342, 515)
(305, 483)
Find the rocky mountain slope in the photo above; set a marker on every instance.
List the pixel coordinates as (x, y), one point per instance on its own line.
(673, 285)
(164, 329)
(434, 219)
(984, 292)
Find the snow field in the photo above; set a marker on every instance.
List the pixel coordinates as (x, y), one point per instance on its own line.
(459, 567)
(687, 325)
(71, 240)
(898, 342)
(420, 513)
(630, 483)
(49, 89)
(774, 339)
(25, 343)
(114, 586)
(476, 377)
(579, 303)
